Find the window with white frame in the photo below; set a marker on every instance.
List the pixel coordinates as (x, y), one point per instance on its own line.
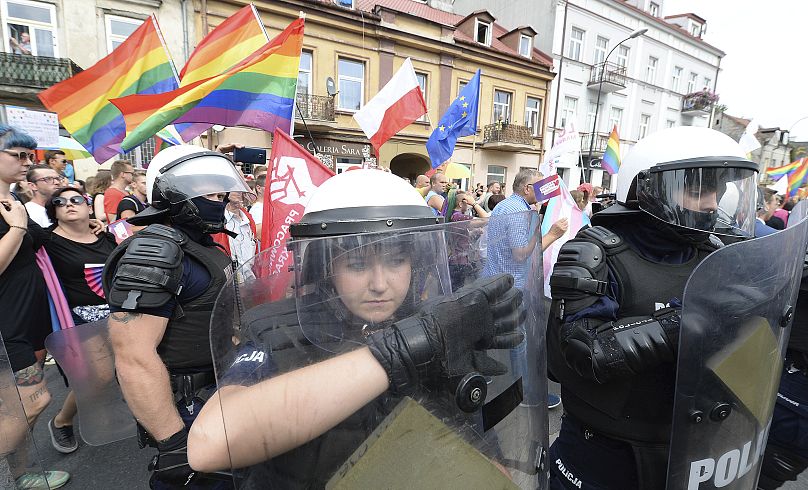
(304, 73)
(502, 106)
(422, 82)
(351, 84)
(622, 55)
(118, 29)
(653, 9)
(482, 32)
(568, 113)
(496, 173)
(29, 28)
(460, 86)
(615, 117)
(670, 123)
(707, 82)
(344, 164)
(645, 124)
(601, 47)
(576, 45)
(695, 29)
(533, 115)
(691, 82)
(676, 78)
(650, 70)
(525, 43)
(590, 114)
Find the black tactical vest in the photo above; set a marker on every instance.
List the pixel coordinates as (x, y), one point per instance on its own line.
(637, 408)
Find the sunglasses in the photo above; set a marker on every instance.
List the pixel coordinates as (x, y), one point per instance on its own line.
(61, 202)
(22, 155)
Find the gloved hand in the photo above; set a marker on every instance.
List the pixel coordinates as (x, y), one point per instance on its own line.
(446, 338)
(170, 465)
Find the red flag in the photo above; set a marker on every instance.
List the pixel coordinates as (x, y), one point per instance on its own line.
(294, 175)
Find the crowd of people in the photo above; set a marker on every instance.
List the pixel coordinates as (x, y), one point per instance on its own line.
(328, 353)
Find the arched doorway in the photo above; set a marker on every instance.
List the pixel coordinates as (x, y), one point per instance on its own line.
(409, 165)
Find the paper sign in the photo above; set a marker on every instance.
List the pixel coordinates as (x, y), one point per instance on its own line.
(547, 188)
(42, 126)
(121, 229)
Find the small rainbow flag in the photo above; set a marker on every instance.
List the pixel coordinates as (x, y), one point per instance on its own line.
(258, 92)
(797, 177)
(140, 65)
(611, 158)
(784, 170)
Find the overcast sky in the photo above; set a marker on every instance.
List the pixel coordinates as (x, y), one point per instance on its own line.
(765, 72)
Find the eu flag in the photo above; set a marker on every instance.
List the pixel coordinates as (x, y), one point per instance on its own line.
(460, 120)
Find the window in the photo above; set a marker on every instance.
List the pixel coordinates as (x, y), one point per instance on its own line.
(576, 44)
(460, 86)
(691, 83)
(645, 123)
(422, 82)
(615, 116)
(344, 164)
(496, 173)
(650, 70)
(653, 9)
(601, 46)
(118, 29)
(707, 82)
(568, 113)
(502, 106)
(590, 115)
(304, 73)
(351, 84)
(695, 29)
(525, 43)
(622, 55)
(533, 115)
(463, 183)
(346, 3)
(676, 78)
(482, 32)
(670, 123)
(29, 28)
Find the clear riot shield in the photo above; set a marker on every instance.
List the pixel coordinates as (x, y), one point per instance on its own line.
(736, 317)
(18, 452)
(85, 355)
(283, 331)
(798, 212)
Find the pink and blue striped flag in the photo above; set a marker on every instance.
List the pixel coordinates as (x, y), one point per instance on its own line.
(611, 158)
(562, 206)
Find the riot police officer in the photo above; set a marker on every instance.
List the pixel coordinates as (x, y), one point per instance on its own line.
(615, 319)
(370, 351)
(161, 285)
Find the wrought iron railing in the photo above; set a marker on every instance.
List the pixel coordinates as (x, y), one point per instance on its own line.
(612, 73)
(600, 142)
(316, 107)
(35, 71)
(695, 102)
(507, 133)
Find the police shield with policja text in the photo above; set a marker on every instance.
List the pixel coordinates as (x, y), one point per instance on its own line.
(410, 301)
(736, 316)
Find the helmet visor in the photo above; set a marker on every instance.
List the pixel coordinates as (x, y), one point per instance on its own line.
(209, 174)
(714, 199)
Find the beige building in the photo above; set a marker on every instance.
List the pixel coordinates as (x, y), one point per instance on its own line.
(360, 46)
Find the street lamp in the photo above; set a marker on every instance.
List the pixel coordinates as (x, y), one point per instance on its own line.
(637, 33)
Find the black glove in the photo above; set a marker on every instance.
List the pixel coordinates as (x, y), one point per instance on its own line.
(170, 465)
(448, 336)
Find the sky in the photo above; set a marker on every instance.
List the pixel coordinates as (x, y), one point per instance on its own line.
(764, 75)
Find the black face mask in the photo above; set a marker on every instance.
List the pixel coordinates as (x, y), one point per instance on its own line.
(199, 214)
(210, 212)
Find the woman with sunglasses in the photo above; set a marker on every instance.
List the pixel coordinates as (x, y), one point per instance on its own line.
(23, 301)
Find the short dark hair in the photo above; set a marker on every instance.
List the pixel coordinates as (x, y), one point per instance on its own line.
(118, 167)
(53, 153)
(30, 176)
(50, 208)
(494, 200)
(11, 137)
(261, 180)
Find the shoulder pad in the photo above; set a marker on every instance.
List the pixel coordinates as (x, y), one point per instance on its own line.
(164, 231)
(148, 274)
(604, 236)
(580, 270)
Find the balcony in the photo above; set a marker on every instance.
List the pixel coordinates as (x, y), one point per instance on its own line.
(507, 137)
(318, 110)
(23, 76)
(600, 143)
(614, 77)
(697, 103)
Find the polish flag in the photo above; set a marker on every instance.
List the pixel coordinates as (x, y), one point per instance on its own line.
(397, 104)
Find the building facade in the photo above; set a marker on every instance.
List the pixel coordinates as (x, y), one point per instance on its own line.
(775, 149)
(666, 77)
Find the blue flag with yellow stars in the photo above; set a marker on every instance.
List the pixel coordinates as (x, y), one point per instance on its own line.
(459, 120)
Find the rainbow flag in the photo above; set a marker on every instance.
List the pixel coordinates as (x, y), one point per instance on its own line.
(258, 92)
(797, 177)
(784, 170)
(140, 65)
(611, 158)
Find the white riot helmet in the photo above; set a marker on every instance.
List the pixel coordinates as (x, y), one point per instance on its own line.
(682, 175)
(181, 173)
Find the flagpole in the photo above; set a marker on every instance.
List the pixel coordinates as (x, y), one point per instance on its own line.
(165, 47)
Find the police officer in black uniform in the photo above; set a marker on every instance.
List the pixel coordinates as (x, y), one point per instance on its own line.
(614, 323)
(161, 285)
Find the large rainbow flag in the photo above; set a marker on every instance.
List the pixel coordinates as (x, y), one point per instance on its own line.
(611, 157)
(258, 92)
(784, 170)
(797, 177)
(140, 65)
